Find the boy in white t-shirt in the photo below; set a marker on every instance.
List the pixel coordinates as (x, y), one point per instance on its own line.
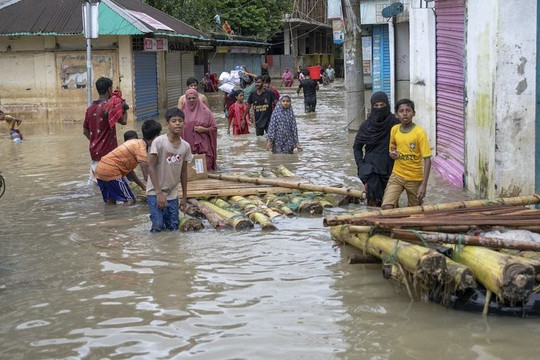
(167, 167)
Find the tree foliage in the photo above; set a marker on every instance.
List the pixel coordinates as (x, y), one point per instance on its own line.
(257, 18)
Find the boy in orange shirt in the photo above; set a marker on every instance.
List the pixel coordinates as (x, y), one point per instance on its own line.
(409, 147)
(113, 167)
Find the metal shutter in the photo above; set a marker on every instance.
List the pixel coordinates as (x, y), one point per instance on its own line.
(381, 59)
(188, 68)
(450, 32)
(146, 87)
(174, 79)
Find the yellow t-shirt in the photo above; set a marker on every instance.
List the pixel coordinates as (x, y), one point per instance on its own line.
(413, 147)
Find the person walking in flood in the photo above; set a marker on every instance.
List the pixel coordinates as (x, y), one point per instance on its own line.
(262, 101)
(167, 168)
(282, 131)
(99, 127)
(112, 169)
(236, 115)
(13, 124)
(371, 154)
(409, 147)
(200, 129)
(310, 92)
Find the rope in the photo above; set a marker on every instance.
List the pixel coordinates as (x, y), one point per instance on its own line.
(421, 238)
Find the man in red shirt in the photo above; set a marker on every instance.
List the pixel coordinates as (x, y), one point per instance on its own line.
(97, 126)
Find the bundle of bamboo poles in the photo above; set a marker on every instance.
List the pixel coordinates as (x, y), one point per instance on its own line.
(510, 269)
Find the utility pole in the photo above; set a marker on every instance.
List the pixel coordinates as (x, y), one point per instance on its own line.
(354, 74)
(91, 28)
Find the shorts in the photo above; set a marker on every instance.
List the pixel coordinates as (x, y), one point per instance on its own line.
(310, 104)
(163, 219)
(395, 187)
(117, 190)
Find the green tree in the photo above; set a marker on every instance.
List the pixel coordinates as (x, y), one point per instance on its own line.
(257, 18)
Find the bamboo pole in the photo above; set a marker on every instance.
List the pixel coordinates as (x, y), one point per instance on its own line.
(503, 274)
(275, 201)
(283, 171)
(189, 223)
(514, 201)
(289, 184)
(239, 222)
(307, 206)
(253, 212)
(215, 220)
(445, 238)
(427, 266)
(270, 212)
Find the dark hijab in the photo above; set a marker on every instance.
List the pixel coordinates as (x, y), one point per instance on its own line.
(378, 124)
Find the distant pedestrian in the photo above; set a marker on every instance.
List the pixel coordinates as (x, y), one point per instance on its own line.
(192, 83)
(282, 131)
(310, 88)
(287, 78)
(371, 152)
(409, 147)
(236, 118)
(13, 124)
(331, 73)
(262, 101)
(267, 80)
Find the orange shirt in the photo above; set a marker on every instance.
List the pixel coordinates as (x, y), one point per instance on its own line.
(121, 160)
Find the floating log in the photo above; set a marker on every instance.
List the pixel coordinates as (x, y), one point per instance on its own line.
(238, 222)
(253, 212)
(189, 223)
(287, 183)
(215, 220)
(461, 277)
(445, 238)
(427, 266)
(503, 274)
(514, 201)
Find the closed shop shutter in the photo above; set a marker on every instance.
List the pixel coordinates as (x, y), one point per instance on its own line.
(146, 87)
(450, 29)
(174, 78)
(381, 59)
(188, 68)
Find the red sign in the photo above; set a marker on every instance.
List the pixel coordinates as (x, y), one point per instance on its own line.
(151, 44)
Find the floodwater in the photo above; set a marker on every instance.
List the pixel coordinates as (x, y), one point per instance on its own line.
(81, 280)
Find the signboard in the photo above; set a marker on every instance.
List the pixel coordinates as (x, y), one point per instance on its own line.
(338, 28)
(147, 19)
(334, 9)
(151, 44)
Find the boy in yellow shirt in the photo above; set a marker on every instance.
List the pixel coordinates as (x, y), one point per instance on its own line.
(409, 147)
(13, 124)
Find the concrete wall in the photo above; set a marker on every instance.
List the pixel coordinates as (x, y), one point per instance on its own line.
(46, 81)
(500, 78)
(422, 70)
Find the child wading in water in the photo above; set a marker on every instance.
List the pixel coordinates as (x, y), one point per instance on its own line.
(282, 131)
(409, 147)
(167, 168)
(236, 115)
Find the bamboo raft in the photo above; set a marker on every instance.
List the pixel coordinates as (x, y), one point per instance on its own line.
(440, 252)
(242, 202)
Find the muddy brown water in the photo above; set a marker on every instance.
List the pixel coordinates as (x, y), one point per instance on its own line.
(81, 280)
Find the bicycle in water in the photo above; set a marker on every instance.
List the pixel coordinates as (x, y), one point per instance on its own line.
(2, 185)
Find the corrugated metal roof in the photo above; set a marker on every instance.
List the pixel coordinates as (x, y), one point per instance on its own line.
(64, 17)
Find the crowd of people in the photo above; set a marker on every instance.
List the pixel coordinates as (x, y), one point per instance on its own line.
(391, 152)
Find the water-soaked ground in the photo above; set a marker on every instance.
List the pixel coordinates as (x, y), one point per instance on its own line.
(79, 279)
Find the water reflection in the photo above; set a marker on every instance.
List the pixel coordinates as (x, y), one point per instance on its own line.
(79, 279)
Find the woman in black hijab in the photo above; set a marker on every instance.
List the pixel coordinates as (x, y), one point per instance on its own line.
(374, 162)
